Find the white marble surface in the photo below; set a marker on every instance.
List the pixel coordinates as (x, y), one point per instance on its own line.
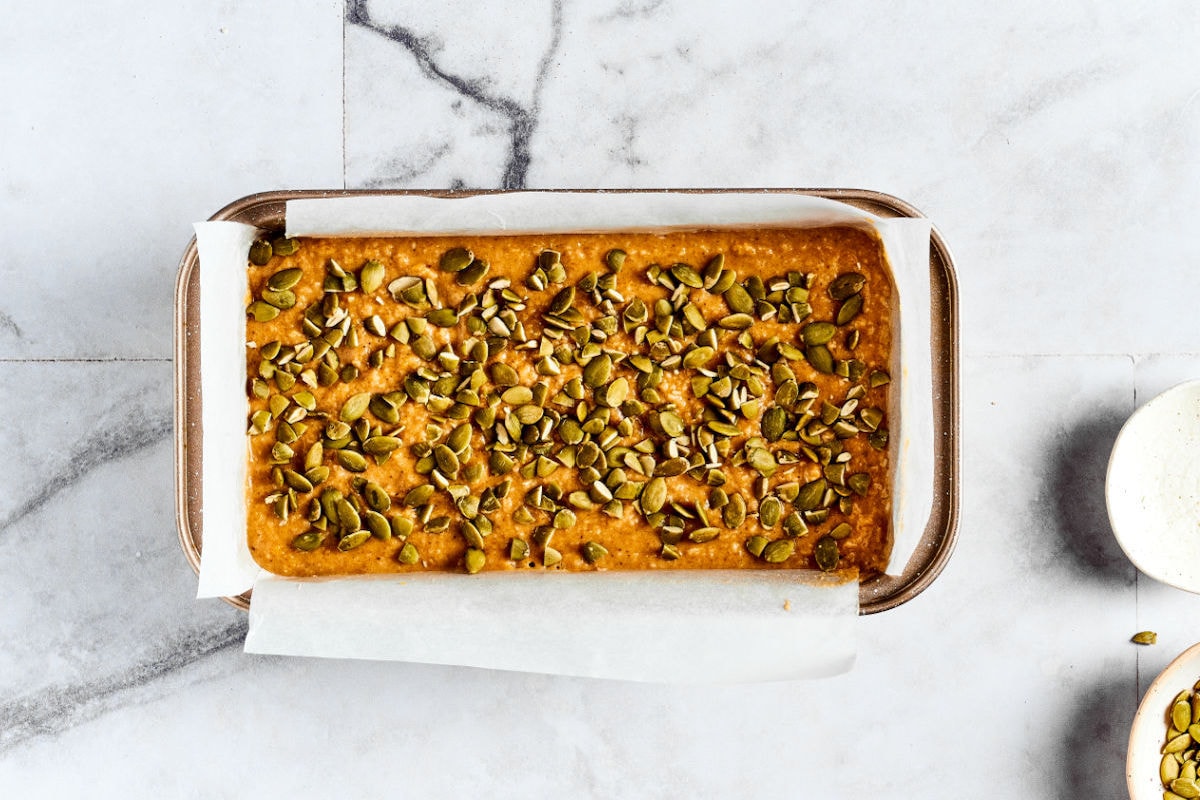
(1053, 144)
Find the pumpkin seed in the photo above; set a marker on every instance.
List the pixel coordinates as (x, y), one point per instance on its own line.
(598, 371)
(262, 312)
(282, 300)
(285, 279)
(774, 422)
(614, 260)
(735, 322)
(846, 284)
(820, 358)
(551, 557)
(297, 481)
(826, 554)
(562, 300)
(446, 460)
(347, 516)
(379, 445)
(353, 540)
(811, 494)
(671, 423)
(443, 317)
(408, 554)
(654, 496)
(778, 551)
(354, 407)
(762, 461)
(593, 552)
(1168, 769)
(518, 549)
(419, 495)
(1181, 715)
(284, 246)
(471, 534)
(1185, 787)
(308, 541)
(769, 511)
(738, 300)
(849, 309)
(259, 421)
(726, 279)
(818, 333)
(499, 463)
(401, 526)
(733, 513)
(614, 394)
(455, 259)
(504, 375)
(438, 524)
(377, 525)
(793, 525)
(473, 273)
(698, 357)
(370, 277)
(376, 497)
(281, 453)
(517, 396)
(687, 275)
(260, 253)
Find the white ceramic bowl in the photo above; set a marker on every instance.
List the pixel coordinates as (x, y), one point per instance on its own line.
(1153, 487)
(1149, 729)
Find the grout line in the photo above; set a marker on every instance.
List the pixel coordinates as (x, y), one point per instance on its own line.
(1137, 653)
(344, 181)
(1133, 355)
(104, 360)
(1137, 612)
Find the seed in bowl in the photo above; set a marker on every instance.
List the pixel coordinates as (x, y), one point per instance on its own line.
(1177, 770)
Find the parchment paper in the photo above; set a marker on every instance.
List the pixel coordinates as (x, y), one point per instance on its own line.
(737, 626)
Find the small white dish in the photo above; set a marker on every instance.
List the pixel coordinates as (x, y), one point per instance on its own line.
(1149, 730)
(1153, 487)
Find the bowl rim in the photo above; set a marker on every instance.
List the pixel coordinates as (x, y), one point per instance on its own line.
(1123, 437)
(1141, 718)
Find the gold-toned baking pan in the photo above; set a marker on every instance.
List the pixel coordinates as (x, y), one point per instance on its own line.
(266, 210)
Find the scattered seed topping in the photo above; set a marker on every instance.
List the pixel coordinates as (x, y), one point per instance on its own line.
(683, 395)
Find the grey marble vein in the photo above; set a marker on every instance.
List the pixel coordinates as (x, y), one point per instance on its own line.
(401, 169)
(631, 10)
(522, 119)
(55, 709)
(1049, 91)
(9, 324)
(101, 446)
(626, 153)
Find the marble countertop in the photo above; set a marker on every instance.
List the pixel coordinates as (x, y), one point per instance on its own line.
(1054, 145)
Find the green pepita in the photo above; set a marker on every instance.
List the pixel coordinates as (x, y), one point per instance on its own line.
(826, 554)
(408, 554)
(593, 552)
(455, 259)
(846, 284)
(778, 551)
